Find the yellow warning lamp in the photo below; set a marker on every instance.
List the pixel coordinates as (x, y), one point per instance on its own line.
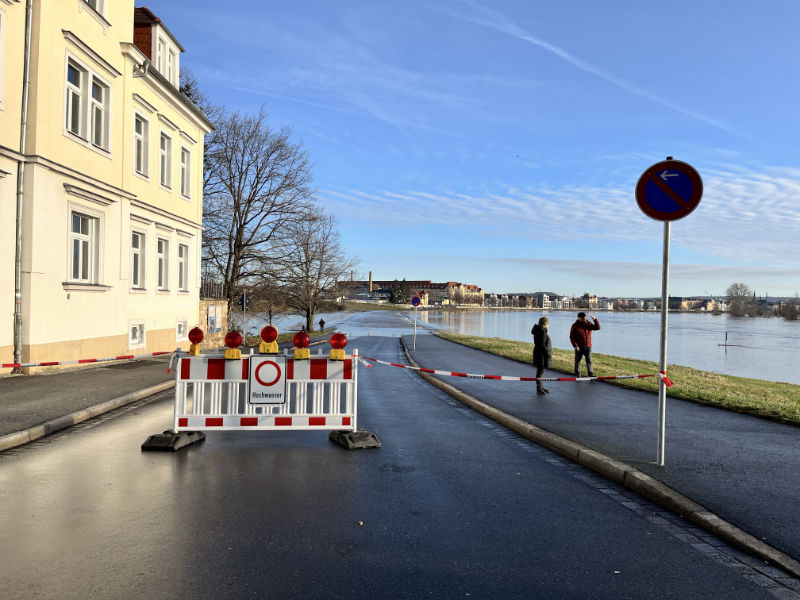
(301, 341)
(233, 340)
(338, 342)
(268, 345)
(195, 336)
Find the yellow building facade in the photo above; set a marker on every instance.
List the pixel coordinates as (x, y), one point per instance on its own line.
(104, 189)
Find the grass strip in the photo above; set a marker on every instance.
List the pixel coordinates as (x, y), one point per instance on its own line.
(770, 400)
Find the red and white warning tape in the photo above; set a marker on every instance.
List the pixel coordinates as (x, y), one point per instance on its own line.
(83, 361)
(661, 374)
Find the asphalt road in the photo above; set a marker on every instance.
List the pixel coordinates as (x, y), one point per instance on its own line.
(452, 506)
(740, 467)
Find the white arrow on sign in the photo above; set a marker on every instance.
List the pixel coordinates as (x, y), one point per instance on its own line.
(665, 174)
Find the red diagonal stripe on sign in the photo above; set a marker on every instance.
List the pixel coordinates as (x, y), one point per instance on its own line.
(669, 191)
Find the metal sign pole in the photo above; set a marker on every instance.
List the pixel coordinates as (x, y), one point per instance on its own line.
(662, 364)
(415, 327)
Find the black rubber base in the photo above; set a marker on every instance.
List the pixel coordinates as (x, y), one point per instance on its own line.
(171, 441)
(354, 440)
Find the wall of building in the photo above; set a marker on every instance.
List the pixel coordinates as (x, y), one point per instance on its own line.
(67, 173)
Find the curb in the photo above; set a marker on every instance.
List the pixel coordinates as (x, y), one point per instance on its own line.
(633, 479)
(19, 438)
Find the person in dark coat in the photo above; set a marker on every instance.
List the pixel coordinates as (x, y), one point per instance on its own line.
(580, 336)
(542, 352)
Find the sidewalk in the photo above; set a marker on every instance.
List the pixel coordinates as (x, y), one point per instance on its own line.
(741, 468)
(32, 406)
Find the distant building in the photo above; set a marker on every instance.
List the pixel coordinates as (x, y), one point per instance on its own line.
(450, 293)
(587, 301)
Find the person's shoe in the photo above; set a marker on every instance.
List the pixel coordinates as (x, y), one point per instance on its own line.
(545, 390)
(590, 375)
(541, 391)
(577, 375)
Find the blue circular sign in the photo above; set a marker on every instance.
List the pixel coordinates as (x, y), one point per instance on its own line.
(669, 190)
(415, 301)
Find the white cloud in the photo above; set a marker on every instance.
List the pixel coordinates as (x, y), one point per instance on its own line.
(744, 216)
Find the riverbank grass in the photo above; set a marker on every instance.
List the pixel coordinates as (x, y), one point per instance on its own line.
(766, 399)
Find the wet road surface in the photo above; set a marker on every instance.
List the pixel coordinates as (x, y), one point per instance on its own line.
(452, 506)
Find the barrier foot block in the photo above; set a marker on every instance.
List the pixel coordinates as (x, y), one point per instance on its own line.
(170, 441)
(353, 440)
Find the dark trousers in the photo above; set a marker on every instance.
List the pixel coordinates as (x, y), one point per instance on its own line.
(587, 354)
(539, 375)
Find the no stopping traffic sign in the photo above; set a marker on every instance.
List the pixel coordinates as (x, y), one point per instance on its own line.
(669, 190)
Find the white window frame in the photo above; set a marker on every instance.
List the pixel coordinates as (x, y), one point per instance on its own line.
(93, 116)
(140, 253)
(74, 95)
(162, 260)
(161, 54)
(182, 330)
(97, 5)
(171, 65)
(98, 113)
(84, 246)
(165, 160)
(141, 146)
(186, 172)
(137, 334)
(183, 267)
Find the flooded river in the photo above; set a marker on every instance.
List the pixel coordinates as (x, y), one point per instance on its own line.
(760, 348)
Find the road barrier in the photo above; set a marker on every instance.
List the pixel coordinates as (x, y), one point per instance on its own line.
(265, 392)
(662, 374)
(84, 361)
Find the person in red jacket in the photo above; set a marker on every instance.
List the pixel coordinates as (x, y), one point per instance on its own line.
(580, 334)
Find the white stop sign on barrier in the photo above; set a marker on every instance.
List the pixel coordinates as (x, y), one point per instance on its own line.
(267, 381)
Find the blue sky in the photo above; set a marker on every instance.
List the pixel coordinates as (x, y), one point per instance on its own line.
(499, 143)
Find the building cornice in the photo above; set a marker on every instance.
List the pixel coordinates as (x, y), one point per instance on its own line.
(166, 90)
(169, 124)
(81, 177)
(144, 104)
(7, 152)
(79, 44)
(84, 194)
(188, 138)
(154, 210)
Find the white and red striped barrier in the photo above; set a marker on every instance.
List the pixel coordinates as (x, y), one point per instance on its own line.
(221, 394)
(661, 374)
(84, 361)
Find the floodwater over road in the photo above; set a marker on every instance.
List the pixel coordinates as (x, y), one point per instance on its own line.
(759, 348)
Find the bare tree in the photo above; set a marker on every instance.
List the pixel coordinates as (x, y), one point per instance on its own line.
(268, 297)
(256, 190)
(739, 296)
(317, 263)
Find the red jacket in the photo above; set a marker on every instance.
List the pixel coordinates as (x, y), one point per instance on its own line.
(580, 334)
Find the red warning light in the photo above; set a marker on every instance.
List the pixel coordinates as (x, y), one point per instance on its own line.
(195, 335)
(301, 339)
(269, 334)
(338, 340)
(233, 339)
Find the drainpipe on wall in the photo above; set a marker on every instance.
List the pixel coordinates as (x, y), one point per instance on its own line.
(26, 82)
